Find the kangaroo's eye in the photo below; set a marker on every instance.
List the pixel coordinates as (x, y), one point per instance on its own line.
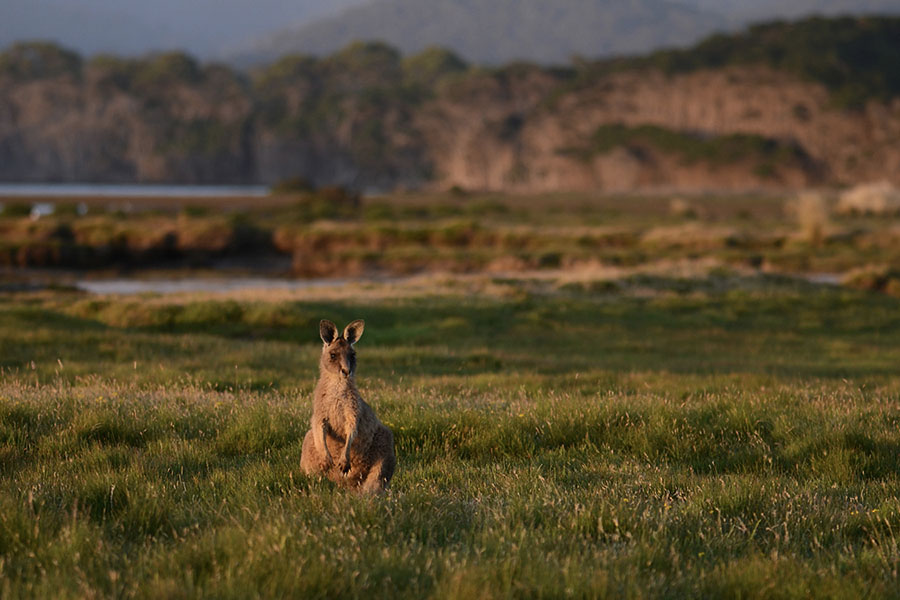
(333, 355)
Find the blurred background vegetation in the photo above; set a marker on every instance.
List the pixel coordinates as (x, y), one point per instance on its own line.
(365, 116)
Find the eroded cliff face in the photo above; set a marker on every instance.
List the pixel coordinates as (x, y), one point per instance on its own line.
(517, 129)
(524, 141)
(90, 127)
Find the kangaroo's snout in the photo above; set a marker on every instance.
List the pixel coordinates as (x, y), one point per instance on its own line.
(347, 362)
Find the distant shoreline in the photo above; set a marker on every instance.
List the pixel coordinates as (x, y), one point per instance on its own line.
(131, 190)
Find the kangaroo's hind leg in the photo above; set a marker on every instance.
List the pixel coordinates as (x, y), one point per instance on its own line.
(379, 475)
(309, 455)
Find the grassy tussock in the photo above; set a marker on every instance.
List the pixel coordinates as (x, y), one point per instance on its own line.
(406, 234)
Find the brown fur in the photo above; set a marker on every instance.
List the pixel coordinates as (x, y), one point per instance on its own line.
(346, 442)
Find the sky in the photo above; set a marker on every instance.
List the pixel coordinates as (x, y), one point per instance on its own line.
(226, 29)
(206, 28)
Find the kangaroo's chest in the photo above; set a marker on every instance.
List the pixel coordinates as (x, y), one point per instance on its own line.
(339, 425)
(340, 412)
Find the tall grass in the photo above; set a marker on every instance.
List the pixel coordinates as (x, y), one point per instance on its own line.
(736, 441)
(812, 214)
(412, 233)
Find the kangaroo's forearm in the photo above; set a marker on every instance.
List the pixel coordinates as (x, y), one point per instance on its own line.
(350, 438)
(320, 439)
(351, 417)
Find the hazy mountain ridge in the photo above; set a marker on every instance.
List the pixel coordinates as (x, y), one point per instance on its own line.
(496, 32)
(781, 105)
(502, 30)
(538, 30)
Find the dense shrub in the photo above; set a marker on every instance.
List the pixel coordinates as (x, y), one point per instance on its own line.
(854, 57)
(38, 60)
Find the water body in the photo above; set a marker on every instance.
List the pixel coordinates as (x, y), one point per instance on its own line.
(824, 278)
(127, 287)
(89, 190)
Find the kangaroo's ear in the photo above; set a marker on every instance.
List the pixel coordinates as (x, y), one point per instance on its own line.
(327, 331)
(354, 331)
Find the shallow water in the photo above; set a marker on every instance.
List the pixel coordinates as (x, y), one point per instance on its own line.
(86, 190)
(174, 286)
(824, 278)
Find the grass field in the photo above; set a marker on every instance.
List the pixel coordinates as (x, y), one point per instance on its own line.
(728, 435)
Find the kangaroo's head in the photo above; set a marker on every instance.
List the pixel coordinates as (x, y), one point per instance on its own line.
(338, 355)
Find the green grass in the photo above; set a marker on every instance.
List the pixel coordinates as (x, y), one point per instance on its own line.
(736, 439)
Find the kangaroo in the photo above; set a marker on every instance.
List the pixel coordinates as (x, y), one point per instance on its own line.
(346, 441)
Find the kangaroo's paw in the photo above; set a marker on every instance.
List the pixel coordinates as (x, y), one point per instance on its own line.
(326, 463)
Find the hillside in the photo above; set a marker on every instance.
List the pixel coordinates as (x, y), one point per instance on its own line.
(538, 30)
(501, 30)
(779, 105)
(768, 9)
(742, 12)
(855, 58)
